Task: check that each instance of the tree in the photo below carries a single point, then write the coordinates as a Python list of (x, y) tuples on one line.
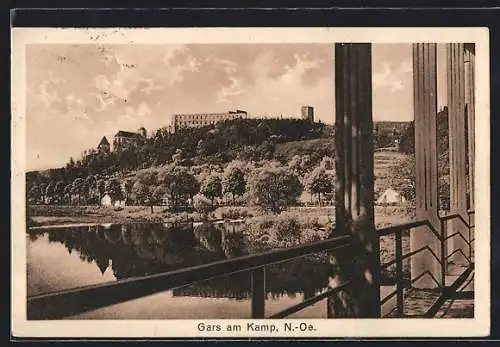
[(179, 183), (129, 183), (114, 189), (76, 187), (178, 156), (300, 164), (402, 178), (49, 191), (101, 188), (67, 193), (144, 187), (327, 163), (234, 181), (212, 187), (202, 205), (42, 187), (319, 182), (274, 188), (158, 193), (141, 191), (87, 186), (34, 193), (407, 142), (59, 191)]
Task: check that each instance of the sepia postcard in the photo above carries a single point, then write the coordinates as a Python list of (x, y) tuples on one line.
[(250, 182)]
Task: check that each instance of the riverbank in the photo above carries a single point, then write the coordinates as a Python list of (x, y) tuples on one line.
[(43, 215)]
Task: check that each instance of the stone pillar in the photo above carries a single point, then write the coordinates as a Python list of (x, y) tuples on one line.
[(425, 112), (354, 209), (470, 107), (457, 144)]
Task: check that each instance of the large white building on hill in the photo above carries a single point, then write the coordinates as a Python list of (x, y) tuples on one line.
[(194, 120)]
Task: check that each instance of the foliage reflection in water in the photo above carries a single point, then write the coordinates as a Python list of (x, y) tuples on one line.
[(135, 250)]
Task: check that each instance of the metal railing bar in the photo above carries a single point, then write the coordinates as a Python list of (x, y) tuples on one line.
[(447, 309), (433, 310), (459, 234), (427, 272), (449, 216), (399, 273), (452, 235), (419, 276), (389, 313), (258, 292), (434, 254), (466, 284), (388, 297), (405, 256), (401, 227), (458, 250), (455, 216), (310, 301), (434, 231), (78, 300)]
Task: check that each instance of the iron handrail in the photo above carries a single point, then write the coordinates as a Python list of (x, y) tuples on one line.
[(398, 259), (82, 299), (401, 227)]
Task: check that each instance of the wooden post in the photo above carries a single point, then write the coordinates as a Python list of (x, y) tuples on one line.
[(457, 139), (470, 107), (425, 111), (354, 209)]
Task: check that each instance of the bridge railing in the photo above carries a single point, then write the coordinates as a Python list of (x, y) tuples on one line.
[(69, 302), (60, 304), (401, 282)]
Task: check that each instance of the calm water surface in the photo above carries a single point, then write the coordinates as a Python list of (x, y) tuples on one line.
[(71, 257)]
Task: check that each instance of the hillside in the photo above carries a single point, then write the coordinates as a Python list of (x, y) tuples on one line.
[(317, 149)]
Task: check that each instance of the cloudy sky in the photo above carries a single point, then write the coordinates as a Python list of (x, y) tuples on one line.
[(78, 93)]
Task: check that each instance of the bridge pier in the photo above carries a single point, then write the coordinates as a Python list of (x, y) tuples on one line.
[(457, 150), (354, 209), (425, 112)]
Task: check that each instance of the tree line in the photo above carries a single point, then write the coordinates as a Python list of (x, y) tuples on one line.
[(268, 184)]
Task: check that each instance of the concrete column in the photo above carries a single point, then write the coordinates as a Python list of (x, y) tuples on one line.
[(425, 111), (354, 209), (470, 107), (457, 140)]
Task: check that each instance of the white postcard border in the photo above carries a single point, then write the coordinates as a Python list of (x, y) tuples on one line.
[(478, 326)]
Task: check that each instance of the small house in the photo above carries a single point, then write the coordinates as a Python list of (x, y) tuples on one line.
[(390, 197)]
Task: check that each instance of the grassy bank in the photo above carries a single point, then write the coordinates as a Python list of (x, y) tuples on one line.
[(39, 215)]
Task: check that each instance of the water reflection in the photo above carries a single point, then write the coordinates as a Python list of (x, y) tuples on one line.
[(142, 249)]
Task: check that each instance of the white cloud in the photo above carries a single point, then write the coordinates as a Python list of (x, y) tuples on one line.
[(391, 77), (229, 66), (175, 73), (46, 96), (143, 110), (151, 86), (234, 89), (284, 94)]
